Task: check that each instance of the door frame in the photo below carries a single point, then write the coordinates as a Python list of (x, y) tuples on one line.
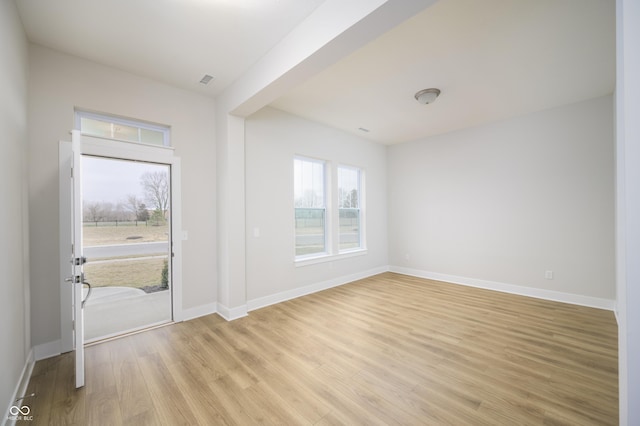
[(110, 148)]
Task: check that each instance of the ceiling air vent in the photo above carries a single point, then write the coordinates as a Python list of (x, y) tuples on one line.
[(206, 79)]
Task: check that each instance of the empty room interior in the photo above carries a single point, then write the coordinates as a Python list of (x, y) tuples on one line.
[(365, 212)]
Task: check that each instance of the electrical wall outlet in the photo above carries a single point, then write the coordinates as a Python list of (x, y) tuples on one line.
[(548, 275)]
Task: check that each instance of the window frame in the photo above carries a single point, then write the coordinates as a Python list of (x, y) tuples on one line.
[(130, 122), (360, 193), (332, 222), (326, 207)]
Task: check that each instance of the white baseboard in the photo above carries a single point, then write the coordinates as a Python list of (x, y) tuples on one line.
[(199, 311), (231, 314), (557, 296), (262, 302), (47, 350), (21, 388)]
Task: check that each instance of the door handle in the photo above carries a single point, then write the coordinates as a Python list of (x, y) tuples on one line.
[(76, 279), (88, 293)]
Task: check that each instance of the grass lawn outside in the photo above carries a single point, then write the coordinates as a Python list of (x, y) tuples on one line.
[(124, 271), (136, 272), (124, 234)]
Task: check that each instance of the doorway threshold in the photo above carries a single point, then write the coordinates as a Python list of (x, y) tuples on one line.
[(126, 333)]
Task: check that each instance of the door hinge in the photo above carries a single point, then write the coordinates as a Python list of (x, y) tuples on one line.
[(79, 260)]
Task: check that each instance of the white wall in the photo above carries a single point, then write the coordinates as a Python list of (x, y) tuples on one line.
[(273, 138), (330, 33), (14, 277), (505, 202), (57, 84)]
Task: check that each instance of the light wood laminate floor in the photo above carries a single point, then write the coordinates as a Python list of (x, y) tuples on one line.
[(389, 349)]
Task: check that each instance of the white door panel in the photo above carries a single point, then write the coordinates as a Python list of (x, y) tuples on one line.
[(77, 257)]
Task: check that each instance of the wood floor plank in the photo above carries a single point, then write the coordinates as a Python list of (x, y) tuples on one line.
[(43, 382), (191, 383), (168, 399), (103, 407), (133, 396), (389, 349)]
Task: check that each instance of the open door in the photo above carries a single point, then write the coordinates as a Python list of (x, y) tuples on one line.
[(75, 247), (77, 259)]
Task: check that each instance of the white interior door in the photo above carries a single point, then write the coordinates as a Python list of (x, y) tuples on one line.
[(72, 326), (77, 258)]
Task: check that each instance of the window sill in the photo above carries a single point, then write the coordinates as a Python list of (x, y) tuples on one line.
[(328, 257)]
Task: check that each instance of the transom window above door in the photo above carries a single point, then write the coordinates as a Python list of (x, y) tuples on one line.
[(122, 129)]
